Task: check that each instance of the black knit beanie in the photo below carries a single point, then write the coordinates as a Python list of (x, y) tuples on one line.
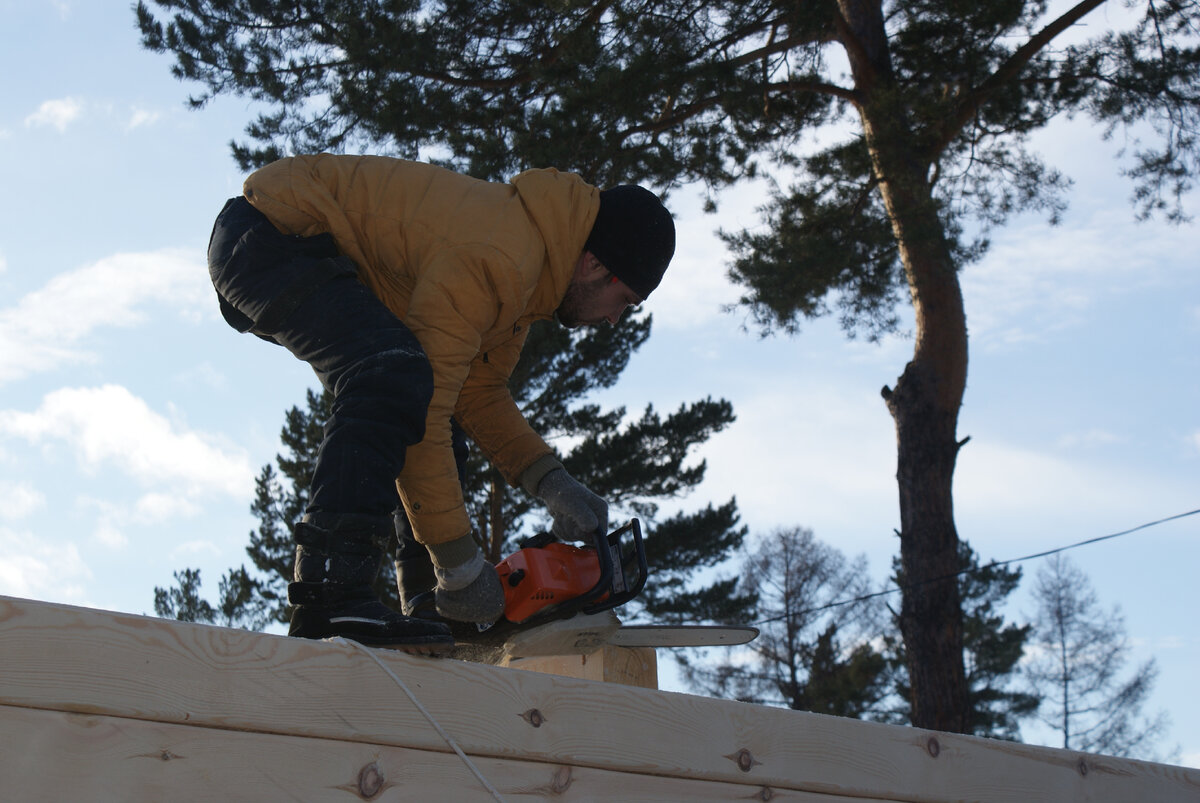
[(633, 236)]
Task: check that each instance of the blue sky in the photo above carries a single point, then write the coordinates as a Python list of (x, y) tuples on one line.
[(133, 421)]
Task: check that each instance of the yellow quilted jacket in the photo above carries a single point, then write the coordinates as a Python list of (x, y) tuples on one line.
[(468, 265)]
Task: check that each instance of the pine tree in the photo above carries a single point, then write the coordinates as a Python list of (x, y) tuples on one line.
[(992, 647), (927, 106), (184, 601)]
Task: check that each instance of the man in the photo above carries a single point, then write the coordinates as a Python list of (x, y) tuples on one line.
[(410, 290)]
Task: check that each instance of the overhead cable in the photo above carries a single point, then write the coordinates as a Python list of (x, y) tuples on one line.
[(908, 586)]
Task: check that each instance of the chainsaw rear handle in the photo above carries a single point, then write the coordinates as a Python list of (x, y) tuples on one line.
[(612, 561)]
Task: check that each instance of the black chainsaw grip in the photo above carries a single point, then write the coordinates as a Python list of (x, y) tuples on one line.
[(606, 546), (604, 584)]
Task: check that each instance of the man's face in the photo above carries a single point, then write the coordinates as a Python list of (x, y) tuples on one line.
[(595, 298)]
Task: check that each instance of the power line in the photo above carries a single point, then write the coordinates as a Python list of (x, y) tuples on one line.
[(908, 586)]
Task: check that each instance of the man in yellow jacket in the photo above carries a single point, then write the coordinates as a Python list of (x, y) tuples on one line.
[(410, 290)]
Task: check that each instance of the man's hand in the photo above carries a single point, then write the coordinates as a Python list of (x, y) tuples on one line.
[(578, 513)]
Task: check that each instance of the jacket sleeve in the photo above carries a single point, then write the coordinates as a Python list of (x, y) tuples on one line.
[(453, 302), (489, 415)]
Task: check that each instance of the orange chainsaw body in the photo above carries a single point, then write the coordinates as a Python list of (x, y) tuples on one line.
[(536, 578)]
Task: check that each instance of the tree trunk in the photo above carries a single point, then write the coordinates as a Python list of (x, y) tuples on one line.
[(931, 611), (928, 394), (497, 524), (925, 406)]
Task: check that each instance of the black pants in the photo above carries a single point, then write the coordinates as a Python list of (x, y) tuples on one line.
[(302, 294)]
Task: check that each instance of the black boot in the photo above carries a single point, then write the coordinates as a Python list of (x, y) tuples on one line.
[(414, 572), (337, 559), (482, 601)]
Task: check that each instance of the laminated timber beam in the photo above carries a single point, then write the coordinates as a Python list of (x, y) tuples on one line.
[(106, 706)]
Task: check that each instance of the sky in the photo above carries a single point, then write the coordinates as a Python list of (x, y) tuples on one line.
[(133, 420)]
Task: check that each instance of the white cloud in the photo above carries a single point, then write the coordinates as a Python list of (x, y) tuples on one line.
[(109, 427), (696, 288), (153, 508), (808, 454), (991, 475), (140, 117), (1038, 279), (19, 499), (1010, 499), (42, 331), (112, 519), (1172, 642), (204, 375), (110, 535), (1093, 437), (191, 549), (3, 263), (56, 114), (1194, 440), (34, 569)]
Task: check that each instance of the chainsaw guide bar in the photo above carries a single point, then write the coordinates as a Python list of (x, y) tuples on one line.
[(683, 635), (584, 634)]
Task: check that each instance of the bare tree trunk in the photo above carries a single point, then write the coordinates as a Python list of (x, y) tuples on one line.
[(499, 530)]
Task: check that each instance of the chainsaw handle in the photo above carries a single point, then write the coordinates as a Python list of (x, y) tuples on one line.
[(604, 558), (606, 548)]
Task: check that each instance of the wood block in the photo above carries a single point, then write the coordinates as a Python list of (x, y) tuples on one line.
[(630, 666)]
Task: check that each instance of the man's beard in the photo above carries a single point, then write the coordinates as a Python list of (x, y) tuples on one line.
[(571, 309)]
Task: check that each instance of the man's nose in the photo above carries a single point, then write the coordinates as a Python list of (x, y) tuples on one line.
[(616, 316)]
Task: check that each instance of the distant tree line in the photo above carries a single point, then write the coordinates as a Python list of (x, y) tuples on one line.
[(831, 644)]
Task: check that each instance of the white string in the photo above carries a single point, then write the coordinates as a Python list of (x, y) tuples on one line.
[(424, 711)]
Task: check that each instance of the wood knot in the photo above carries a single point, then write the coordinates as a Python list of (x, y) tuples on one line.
[(933, 746), (561, 780), (1083, 767), (370, 781), (766, 793), (744, 760), (534, 717)]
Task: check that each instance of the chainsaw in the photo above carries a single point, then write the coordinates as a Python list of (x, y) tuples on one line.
[(559, 599)]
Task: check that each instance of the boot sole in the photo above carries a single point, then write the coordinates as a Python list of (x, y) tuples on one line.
[(432, 645), (428, 650)]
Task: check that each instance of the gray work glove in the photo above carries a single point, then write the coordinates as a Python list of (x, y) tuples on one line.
[(578, 513)]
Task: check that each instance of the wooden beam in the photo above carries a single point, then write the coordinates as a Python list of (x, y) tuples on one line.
[(77, 660), (51, 755)]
